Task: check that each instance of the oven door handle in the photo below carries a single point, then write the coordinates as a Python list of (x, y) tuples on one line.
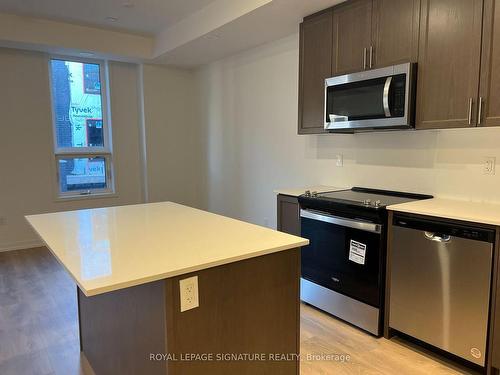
[(342, 221), (385, 100)]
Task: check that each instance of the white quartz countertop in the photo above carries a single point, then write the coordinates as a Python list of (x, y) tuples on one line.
[(477, 212), (295, 192), (107, 249)]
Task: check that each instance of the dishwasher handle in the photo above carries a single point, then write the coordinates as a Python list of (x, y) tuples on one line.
[(437, 237)]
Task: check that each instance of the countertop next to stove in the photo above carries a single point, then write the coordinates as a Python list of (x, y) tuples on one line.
[(476, 212), (295, 192)]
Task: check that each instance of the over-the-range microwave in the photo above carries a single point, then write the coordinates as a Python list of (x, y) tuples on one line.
[(378, 99)]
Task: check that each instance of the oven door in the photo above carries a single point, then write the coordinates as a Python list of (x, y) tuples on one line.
[(344, 255), (368, 100)]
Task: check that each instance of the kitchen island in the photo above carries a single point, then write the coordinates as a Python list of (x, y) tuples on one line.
[(128, 262)]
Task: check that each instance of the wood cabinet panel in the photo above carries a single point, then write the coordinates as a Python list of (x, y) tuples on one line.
[(117, 343), (489, 92), (251, 306), (288, 214), (448, 64), (494, 337), (315, 65), (395, 31), (351, 36)]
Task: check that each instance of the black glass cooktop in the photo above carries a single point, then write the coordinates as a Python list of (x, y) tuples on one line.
[(366, 197)]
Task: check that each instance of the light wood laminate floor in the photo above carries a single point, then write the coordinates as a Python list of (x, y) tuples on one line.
[(39, 330)]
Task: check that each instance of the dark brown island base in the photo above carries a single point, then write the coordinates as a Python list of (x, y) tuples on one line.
[(247, 323)]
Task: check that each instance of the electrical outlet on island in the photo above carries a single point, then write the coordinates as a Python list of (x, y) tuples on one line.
[(189, 293)]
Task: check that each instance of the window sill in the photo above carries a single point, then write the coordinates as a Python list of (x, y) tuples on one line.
[(68, 198)]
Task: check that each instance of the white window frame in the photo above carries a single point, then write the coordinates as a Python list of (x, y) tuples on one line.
[(105, 152)]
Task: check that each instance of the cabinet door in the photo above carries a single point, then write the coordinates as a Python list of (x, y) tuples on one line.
[(494, 340), (489, 92), (395, 31), (288, 215), (351, 36), (315, 64), (448, 63)]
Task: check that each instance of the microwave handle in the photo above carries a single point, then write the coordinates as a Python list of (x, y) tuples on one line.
[(385, 99)]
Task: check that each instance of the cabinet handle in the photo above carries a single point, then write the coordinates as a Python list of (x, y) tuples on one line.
[(480, 110), (371, 57), (469, 117), (364, 58)]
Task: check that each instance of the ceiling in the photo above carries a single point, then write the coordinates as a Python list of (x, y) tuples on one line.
[(137, 16), (185, 33), (276, 19)]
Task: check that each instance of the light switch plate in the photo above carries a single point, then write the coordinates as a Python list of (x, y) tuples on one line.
[(189, 293), (340, 160)]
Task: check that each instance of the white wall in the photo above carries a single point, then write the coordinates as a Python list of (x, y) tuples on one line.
[(172, 140), (249, 114), (223, 138), (172, 156), (26, 154)]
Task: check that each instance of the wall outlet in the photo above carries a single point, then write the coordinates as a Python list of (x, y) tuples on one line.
[(189, 293), (489, 165), (340, 160)]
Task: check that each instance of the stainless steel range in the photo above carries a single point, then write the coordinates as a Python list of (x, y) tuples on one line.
[(343, 267)]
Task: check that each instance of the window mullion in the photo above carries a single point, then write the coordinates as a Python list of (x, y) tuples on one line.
[(82, 151)]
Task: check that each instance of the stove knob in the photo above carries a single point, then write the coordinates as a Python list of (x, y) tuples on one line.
[(307, 193), (377, 203), (314, 194), (367, 202)]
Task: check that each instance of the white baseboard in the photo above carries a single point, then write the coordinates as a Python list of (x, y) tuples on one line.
[(20, 245)]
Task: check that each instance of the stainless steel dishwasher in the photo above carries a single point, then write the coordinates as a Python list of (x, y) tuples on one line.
[(440, 284)]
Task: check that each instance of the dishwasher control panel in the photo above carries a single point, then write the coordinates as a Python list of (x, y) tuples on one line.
[(455, 229)]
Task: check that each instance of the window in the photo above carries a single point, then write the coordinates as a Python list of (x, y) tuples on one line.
[(82, 138)]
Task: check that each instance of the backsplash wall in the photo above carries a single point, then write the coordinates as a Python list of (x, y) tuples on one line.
[(249, 138)]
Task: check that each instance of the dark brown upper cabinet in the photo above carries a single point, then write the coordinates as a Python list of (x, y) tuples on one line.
[(352, 31), (457, 47), (315, 65), (395, 32), (374, 33), (449, 63), (489, 89), (353, 36)]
